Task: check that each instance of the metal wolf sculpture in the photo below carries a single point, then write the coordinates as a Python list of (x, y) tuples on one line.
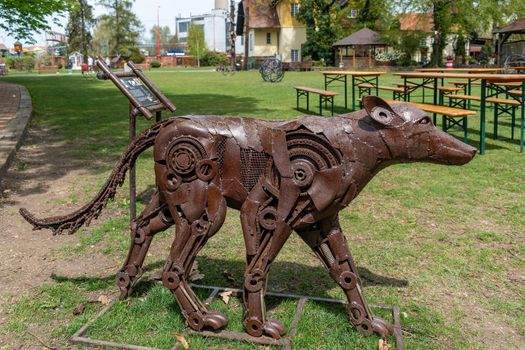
[(283, 176)]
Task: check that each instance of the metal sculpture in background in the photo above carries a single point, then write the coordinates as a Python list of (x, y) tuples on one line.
[(512, 61), (283, 177), (272, 70)]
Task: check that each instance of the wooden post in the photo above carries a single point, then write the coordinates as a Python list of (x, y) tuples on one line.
[(369, 58), (353, 56)]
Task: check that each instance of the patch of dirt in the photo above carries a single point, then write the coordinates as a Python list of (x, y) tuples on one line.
[(41, 178)]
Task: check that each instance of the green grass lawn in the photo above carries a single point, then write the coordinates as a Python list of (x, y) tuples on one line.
[(446, 244)]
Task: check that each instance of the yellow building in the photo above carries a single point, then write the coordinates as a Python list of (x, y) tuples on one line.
[(273, 29)]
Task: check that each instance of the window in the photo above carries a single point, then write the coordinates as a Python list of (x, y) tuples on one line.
[(183, 27), (294, 9), (251, 41), (268, 38), (295, 55), (353, 13)]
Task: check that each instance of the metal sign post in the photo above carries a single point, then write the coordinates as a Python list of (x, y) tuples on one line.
[(144, 99)]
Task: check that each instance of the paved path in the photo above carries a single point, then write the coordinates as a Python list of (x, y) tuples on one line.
[(15, 112)]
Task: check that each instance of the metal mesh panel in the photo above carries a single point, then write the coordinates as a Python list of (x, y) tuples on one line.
[(253, 165)]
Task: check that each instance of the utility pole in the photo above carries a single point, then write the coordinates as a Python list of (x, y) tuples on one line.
[(158, 33), (232, 35), (246, 37)]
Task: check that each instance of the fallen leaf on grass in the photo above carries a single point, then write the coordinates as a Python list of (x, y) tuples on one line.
[(228, 276), (226, 296), (383, 345), (195, 274), (181, 340), (104, 299), (79, 309)]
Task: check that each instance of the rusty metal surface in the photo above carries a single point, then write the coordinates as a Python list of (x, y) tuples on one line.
[(283, 176)]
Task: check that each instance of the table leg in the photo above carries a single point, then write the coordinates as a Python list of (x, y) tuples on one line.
[(482, 116), (434, 116), (353, 93), (469, 91), (307, 101), (522, 100), (377, 85), (405, 88), (320, 105)]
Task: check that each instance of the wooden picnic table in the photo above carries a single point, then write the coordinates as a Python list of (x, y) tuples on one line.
[(358, 77), (486, 79), (460, 70)]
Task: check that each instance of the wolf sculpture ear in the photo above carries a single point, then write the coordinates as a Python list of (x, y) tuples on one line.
[(381, 112)]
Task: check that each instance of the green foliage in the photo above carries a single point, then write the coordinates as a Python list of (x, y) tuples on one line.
[(196, 43), (323, 28), (155, 64), (165, 35), (212, 59), (122, 27), (20, 19), (26, 62), (78, 29)]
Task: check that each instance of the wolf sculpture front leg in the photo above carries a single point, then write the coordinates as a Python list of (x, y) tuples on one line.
[(330, 245)]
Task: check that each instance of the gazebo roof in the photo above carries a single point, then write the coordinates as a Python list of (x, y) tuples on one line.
[(517, 27), (363, 36)]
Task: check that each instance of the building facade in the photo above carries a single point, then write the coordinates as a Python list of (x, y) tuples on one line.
[(273, 29)]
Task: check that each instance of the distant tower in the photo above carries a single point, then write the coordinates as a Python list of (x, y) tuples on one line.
[(221, 5)]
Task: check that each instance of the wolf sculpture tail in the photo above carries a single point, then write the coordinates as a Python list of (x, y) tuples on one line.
[(84, 215)]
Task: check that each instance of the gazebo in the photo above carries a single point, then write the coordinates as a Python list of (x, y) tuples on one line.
[(505, 48), (358, 47)]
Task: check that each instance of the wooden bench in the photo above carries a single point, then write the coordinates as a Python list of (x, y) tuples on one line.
[(324, 96), (515, 92), (449, 115), (504, 106), (47, 69), (398, 93)]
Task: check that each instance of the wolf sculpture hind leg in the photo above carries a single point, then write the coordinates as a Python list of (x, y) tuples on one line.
[(330, 245), (154, 218)]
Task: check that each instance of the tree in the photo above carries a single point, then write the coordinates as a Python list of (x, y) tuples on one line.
[(124, 24), (21, 19), (103, 38), (165, 34), (323, 28), (196, 43), (78, 29)]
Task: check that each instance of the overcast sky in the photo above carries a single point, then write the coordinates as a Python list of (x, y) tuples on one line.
[(146, 11)]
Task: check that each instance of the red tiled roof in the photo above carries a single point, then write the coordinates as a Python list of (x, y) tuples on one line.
[(417, 21), (515, 27), (261, 14)]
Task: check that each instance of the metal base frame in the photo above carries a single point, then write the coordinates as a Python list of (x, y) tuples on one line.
[(285, 342)]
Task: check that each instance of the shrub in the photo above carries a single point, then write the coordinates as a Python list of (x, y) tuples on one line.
[(211, 58), (154, 64), (390, 56)]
